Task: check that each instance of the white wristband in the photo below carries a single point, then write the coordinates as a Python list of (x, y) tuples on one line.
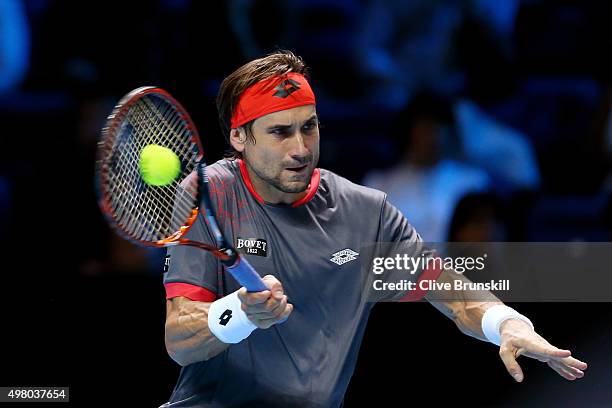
[(494, 317), (227, 321)]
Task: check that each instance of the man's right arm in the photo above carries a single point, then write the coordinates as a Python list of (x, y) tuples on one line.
[(188, 336)]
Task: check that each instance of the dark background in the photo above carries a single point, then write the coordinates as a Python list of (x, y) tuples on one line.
[(81, 308)]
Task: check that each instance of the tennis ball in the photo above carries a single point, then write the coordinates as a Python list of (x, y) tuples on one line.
[(158, 165)]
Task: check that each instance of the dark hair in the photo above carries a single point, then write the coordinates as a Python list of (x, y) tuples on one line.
[(278, 63), (424, 105), (474, 207)]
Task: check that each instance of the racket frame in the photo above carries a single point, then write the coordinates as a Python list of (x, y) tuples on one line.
[(223, 251)]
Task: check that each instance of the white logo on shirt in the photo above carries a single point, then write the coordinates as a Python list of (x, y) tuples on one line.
[(252, 246), (344, 256)]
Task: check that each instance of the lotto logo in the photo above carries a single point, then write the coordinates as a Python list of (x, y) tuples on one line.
[(286, 88), (225, 317)]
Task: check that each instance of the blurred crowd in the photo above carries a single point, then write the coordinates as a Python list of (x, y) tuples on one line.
[(484, 120)]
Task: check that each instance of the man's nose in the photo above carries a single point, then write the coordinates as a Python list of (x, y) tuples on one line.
[(298, 146)]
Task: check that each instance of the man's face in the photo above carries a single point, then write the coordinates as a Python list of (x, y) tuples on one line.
[(286, 149)]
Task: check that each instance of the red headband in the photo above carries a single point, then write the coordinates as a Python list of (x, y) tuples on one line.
[(272, 95)]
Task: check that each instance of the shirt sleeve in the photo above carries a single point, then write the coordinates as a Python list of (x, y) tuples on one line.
[(402, 238), (192, 272)]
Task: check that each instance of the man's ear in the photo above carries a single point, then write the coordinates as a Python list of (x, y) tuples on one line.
[(238, 139)]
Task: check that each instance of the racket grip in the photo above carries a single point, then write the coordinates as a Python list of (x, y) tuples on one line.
[(246, 276)]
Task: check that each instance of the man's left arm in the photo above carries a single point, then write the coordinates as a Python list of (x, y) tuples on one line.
[(516, 336)]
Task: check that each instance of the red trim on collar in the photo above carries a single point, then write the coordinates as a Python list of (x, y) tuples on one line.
[(312, 189), (310, 193), (247, 180)]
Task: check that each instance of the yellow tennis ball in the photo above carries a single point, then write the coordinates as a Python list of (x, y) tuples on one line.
[(159, 166)]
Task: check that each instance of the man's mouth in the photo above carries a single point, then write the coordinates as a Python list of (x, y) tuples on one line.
[(298, 168)]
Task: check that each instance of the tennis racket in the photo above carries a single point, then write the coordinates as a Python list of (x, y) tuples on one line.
[(153, 215)]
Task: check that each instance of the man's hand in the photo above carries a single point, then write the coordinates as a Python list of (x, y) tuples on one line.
[(519, 339), (266, 308)]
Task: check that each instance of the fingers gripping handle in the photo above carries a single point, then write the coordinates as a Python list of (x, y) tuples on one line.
[(246, 276)]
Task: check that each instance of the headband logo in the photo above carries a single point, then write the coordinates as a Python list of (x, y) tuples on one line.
[(286, 88)]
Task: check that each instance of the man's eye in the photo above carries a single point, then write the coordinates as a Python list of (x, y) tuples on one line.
[(309, 126), (279, 132)]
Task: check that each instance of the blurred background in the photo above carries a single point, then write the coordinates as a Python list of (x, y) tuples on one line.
[(484, 120)]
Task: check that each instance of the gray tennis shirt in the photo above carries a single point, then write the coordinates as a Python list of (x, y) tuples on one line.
[(313, 249)]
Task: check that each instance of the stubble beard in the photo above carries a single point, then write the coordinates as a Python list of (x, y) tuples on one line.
[(287, 187)]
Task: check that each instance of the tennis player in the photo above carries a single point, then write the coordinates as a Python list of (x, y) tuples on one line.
[(301, 227)]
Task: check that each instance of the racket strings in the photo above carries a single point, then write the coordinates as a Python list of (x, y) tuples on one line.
[(153, 118), (150, 213), (160, 126), (156, 207)]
